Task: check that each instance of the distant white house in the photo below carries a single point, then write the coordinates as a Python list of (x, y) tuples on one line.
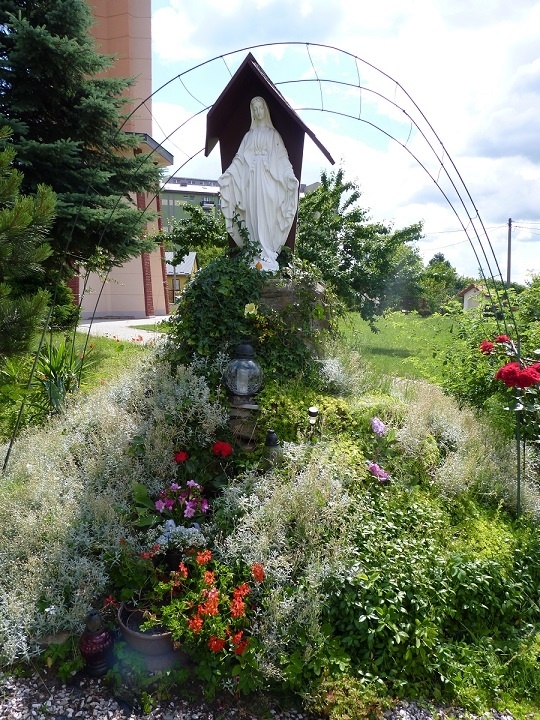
[(472, 296), (178, 275)]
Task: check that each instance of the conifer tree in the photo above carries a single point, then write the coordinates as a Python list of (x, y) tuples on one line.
[(24, 222), (65, 116)]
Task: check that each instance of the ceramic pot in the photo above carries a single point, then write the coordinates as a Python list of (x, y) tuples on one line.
[(154, 645)]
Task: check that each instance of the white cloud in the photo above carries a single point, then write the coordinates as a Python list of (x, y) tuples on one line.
[(472, 67)]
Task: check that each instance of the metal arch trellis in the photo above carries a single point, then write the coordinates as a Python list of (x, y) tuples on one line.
[(452, 173), (423, 126)]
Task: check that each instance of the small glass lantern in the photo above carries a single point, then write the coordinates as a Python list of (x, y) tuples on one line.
[(272, 451), (243, 376)]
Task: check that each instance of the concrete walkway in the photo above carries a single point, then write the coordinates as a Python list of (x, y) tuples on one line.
[(124, 329)]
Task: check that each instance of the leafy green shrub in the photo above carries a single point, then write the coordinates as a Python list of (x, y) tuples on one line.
[(221, 308), (210, 316)]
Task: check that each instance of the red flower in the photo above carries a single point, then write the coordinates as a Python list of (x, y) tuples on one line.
[(508, 373), (257, 571), (502, 339), (513, 375), (211, 605), (527, 377), (222, 449), (241, 591), (209, 578), (204, 557), (216, 644), (195, 624), (109, 601), (238, 607), (180, 456), (486, 347)]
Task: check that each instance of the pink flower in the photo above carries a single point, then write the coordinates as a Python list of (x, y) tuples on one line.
[(175, 486), (191, 507), (205, 505), (378, 427), (169, 503), (160, 505), (377, 471), (193, 484)]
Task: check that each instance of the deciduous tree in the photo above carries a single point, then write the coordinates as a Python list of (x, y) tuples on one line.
[(356, 256)]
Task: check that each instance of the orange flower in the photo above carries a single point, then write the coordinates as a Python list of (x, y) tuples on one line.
[(182, 570), (216, 644), (257, 571), (241, 648), (204, 557), (238, 607), (236, 638), (241, 591), (195, 624), (210, 605), (209, 578)]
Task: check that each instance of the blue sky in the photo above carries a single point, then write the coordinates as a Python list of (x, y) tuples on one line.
[(471, 68)]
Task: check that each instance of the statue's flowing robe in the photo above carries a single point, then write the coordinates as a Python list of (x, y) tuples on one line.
[(260, 188)]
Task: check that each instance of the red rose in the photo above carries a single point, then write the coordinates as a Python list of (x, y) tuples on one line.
[(180, 456), (222, 449), (508, 374), (527, 377), (513, 375), (486, 347), (502, 339)]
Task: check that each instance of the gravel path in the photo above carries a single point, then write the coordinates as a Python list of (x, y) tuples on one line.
[(45, 698)]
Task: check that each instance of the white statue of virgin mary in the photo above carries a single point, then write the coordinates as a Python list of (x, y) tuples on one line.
[(260, 188)]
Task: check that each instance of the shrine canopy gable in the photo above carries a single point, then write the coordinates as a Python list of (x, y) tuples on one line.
[(229, 118)]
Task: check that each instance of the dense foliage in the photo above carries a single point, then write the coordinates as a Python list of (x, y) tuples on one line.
[(24, 224), (222, 307), (65, 116), (471, 366)]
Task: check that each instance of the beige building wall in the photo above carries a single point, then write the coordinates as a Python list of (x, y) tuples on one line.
[(124, 29), (138, 288)]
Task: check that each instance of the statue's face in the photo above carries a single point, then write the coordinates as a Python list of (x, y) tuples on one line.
[(258, 109)]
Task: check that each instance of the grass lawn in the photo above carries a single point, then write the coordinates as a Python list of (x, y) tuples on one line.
[(159, 326), (406, 346), (109, 358)]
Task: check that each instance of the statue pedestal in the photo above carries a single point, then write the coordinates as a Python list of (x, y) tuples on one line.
[(289, 297)]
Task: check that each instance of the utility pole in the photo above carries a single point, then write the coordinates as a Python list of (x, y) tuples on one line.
[(508, 263)]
